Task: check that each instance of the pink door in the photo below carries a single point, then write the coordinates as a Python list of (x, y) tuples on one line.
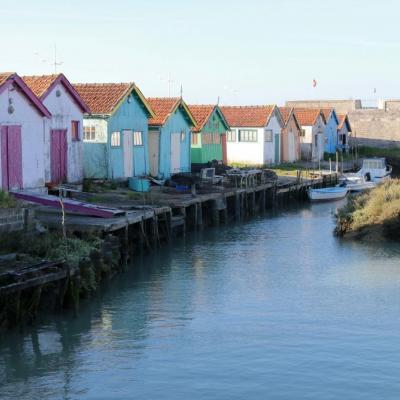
[(11, 157), (58, 155)]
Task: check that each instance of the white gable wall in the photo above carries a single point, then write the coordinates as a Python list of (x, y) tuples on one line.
[(249, 153), (33, 126), (64, 110), (269, 147)]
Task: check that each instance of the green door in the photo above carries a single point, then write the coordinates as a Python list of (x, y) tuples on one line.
[(277, 148)]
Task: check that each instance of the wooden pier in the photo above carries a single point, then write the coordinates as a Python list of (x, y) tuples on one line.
[(143, 227)]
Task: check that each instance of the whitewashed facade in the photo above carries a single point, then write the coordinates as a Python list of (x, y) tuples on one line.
[(255, 145), (64, 110), (313, 140), (20, 109)]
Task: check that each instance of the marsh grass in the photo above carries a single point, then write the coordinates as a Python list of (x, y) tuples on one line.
[(7, 201), (378, 207)]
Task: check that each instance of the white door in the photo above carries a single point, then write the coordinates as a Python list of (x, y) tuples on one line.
[(175, 153), (154, 152), (291, 150), (128, 153)]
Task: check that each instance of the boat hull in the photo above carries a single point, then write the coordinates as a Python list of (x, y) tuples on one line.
[(328, 194)]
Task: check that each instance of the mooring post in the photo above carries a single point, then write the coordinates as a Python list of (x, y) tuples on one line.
[(237, 206)]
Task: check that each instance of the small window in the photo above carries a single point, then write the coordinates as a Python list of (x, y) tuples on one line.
[(89, 133), (231, 135), (75, 131), (115, 139), (138, 138), (247, 135), (267, 135), (183, 136), (195, 138), (303, 132), (216, 138)]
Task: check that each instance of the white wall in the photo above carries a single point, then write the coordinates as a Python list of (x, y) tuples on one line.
[(64, 110), (308, 148), (33, 126), (269, 147), (247, 152), (318, 129)]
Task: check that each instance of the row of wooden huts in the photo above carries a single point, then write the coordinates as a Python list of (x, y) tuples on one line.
[(53, 131)]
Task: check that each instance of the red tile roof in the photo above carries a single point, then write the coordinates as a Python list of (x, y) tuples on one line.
[(164, 107), (307, 116), (286, 112), (4, 76), (201, 114), (327, 112), (103, 98), (248, 116), (40, 84), (343, 118), (16, 80)]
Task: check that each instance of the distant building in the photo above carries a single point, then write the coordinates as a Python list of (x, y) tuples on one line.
[(255, 134), (343, 131), (169, 136), (115, 134), (330, 131), (63, 134), (290, 136), (209, 134), (23, 119), (312, 122)]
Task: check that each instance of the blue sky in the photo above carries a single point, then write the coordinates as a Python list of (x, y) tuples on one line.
[(245, 52)]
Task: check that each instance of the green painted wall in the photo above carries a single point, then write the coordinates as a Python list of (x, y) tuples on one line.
[(203, 153)]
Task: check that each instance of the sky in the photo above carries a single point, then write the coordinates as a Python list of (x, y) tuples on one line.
[(240, 52)]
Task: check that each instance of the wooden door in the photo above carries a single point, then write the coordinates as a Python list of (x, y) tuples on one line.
[(277, 148), (58, 155), (291, 152), (175, 153), (128, 153), (154, 152), (11, 157), (224, 149)]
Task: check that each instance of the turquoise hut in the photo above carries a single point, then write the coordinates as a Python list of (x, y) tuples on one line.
[(169, 137), (115, 134)]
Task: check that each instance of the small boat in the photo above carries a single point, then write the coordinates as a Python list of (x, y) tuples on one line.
[(373, 171), (328, 194), (358, 183)]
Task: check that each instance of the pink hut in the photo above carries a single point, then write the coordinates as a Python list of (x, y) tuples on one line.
[(63, 139), (22, 120)]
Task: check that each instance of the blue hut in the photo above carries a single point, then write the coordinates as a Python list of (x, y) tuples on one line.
[(169, 137), (115, 134), (331, 130)]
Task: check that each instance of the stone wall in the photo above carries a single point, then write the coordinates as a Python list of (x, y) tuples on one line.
[(376, 128), (16, 219), (341, 106)]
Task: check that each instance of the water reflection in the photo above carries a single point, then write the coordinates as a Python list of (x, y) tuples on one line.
[(275, 303)]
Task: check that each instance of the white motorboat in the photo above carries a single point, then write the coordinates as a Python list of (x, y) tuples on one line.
[(328, 194), (373, 171)]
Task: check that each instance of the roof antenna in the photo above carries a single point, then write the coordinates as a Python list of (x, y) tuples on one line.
[(181, 91), (56, 63), (218, 101)]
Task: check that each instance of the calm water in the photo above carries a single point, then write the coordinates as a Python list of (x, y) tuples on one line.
[(275, 308)]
